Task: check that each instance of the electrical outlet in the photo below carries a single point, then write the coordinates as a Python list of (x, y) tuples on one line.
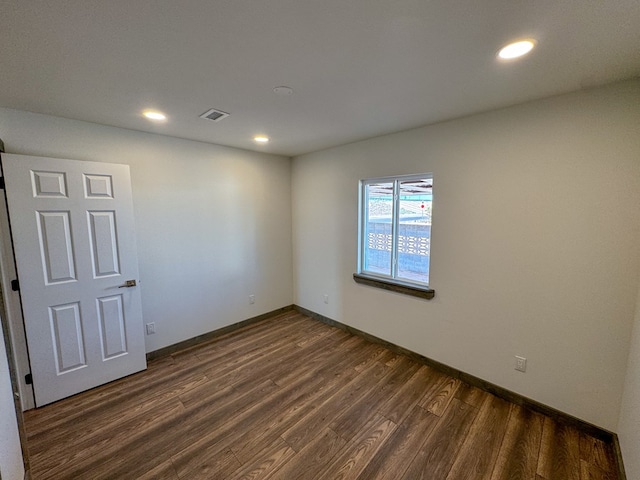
[(252, 299), (326, 298), (151, 328), (521, 364)]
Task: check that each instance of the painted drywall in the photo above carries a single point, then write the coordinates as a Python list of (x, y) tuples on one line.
[(534, 244), (213, 223), (629, 424), (11, 466)]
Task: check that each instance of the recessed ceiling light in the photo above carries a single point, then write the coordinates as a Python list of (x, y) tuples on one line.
[(154, 115), (261, 138), (283, 90), (516, 49)]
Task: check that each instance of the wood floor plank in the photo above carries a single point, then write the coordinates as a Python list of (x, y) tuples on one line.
[(252, 357), (99, 453), (471, 395), (335, 375), (589, 471), (172, 435), (290, 407), (518, 455), (265, 462), (261, 337), (439, 403), (86, 403), (395, 455), (273, 363), (219, 351), (559, 452), (164, 471), (220, 465), (438, 452), (435, 385), (374, 355), (321, 358), (596, 453), (485, 435), (125, 409), (257, 402), (226, 434), (288, 367), (238, 338), (238, 375), (311, 461), (312, 424), (358, 452), (407, 396), (235, 367), (351, 420)]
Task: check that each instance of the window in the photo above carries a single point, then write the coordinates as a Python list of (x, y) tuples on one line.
[(395, 233)]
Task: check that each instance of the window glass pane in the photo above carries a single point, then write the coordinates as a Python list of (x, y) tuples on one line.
[(377, 226), (414, 230)]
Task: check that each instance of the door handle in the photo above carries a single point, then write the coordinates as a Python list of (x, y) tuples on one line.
[(128, 284)]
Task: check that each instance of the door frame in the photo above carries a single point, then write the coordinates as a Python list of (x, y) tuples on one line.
[(17, 400), (13, 304), (22, 397), (13, 307)]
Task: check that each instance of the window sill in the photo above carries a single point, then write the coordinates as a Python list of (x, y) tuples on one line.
[(392, 286)]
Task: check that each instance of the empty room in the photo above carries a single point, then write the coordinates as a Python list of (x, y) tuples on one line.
[(320, 240)]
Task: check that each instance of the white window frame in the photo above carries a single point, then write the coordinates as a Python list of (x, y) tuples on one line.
[(363, 238)]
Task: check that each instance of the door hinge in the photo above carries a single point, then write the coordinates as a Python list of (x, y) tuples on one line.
[(28, 379), (15, 285), (1, 183)]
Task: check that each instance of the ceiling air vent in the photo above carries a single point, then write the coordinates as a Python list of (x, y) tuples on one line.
[(215, 115)]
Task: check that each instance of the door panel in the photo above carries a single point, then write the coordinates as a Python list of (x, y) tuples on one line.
[(74, 240), (112, 326), (104, 243), (67, 337), (56, 247), (48, 184)]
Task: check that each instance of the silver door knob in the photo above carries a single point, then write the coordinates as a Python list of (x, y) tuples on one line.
[(128, 284)]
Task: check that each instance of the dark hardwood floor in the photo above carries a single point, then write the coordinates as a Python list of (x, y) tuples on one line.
[(292, 398)]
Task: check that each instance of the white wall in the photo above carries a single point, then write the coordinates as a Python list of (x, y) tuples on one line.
[(534, 245), (11, 467), (629, 424), (213, 223)]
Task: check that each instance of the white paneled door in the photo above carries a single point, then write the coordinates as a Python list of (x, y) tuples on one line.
[(75, 247)]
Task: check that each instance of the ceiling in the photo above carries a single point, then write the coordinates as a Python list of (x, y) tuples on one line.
[(359, 68)]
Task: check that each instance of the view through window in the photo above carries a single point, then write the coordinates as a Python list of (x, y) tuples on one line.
[(395, 230)]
